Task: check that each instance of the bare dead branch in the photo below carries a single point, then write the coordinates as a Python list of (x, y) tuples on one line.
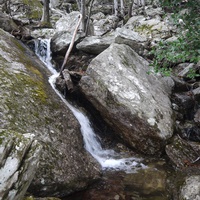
[(71, 43)]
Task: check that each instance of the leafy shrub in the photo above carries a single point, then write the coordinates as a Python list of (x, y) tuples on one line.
[(187, 45)]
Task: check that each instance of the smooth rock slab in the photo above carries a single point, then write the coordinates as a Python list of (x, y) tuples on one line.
[(64, 31), (19, 159), (136, 105), (132, 39), (96, 44)]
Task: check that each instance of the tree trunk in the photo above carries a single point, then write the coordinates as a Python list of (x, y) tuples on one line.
[(78, 4), (122, 7), (83, 15), (143, 3), (116, 7), (88, 20), (138, 4), (130, 8), (45, 21)]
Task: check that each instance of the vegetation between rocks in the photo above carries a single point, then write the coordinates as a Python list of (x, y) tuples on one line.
[(186, 48)]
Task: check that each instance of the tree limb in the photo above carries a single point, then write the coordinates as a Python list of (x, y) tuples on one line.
[(71, 43)]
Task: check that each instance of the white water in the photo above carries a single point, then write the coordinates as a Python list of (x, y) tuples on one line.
[(108, 159)]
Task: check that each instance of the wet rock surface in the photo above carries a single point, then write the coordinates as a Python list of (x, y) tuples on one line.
[(182, 150), (28, 104), (121, 186)]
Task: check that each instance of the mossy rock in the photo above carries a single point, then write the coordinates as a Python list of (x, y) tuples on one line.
[(29, 104), (26, 9), (34, 9), (22, 79), (144, 29)]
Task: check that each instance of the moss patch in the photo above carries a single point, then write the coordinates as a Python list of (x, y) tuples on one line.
[(34, 9), (144, 29), (24, 92)]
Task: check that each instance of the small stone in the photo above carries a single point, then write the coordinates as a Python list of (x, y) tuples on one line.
[(197, 116), (116, 197), (191, 188)]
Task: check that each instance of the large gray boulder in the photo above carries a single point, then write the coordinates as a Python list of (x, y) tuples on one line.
[(6, 23), (151, 28), (136, 105), (131, 38), (96, 44), (24, 11), (104, 23), (140, 33), (29, 105), (65, 27)]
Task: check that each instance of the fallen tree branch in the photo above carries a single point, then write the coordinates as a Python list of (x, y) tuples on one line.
[(68, 80), (71, 44)]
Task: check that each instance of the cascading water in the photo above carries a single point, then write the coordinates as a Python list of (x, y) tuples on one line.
[(108, 159)]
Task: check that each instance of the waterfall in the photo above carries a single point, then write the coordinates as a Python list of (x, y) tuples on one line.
[(108, 158)]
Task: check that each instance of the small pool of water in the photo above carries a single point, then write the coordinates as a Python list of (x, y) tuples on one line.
[(145, 184)]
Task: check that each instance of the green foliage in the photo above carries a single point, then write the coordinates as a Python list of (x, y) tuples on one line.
[(187, 46), (192, 74), (75, 7)]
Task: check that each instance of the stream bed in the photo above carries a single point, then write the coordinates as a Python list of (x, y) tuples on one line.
[(124, 176), (145, 184)]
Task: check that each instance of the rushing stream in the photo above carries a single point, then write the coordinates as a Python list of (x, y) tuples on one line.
[(108, 159)]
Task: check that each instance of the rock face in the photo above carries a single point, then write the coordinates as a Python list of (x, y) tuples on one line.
[(6, 23), (95, 44), (141, 32), (151, 28), (29, 105), (191, 188), (24, 11), (135, 104), (104, 23), (152, 183), (182, 153), (63, 34), (132, 39), (19, 157)]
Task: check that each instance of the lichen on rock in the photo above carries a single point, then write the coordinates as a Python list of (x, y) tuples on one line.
[(136, 105), (19, 159), (29, 104)]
